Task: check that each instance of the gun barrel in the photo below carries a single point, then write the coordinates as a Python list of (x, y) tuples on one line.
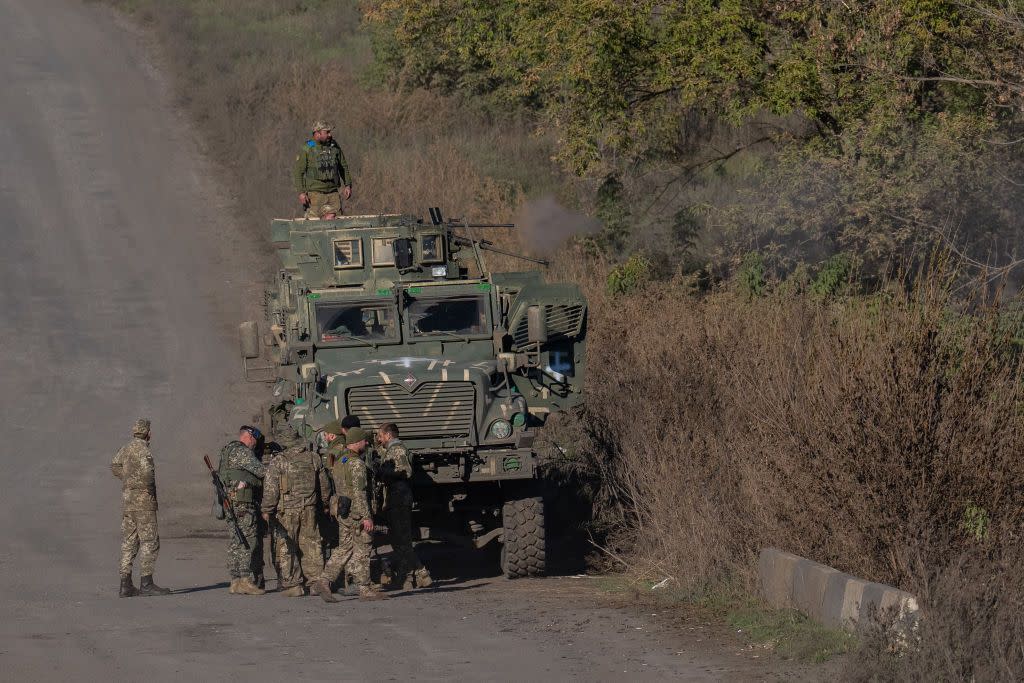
[(485, 225)]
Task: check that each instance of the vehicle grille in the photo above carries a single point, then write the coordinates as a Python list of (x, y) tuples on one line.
[(563, 321), (434, 409)]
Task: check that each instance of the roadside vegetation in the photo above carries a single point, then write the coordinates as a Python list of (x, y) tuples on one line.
[(805, 327)]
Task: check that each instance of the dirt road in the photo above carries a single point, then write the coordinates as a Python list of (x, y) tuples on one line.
[(121, 276)]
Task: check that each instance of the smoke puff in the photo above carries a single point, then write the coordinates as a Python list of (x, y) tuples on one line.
[(544, 224)]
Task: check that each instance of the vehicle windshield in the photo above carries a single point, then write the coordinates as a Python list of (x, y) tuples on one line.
[(459, 315), (356, 321)]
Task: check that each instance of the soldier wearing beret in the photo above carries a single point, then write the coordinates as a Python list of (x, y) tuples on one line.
[(133, 465), (321, 175)]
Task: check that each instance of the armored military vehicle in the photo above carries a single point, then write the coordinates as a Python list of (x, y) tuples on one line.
[(396, 319)]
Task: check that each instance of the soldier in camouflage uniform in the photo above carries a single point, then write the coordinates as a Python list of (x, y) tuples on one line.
[(334, 438), (292, 491), (396, 472), (133, 465), (351, 505), (242, 473), (321, 175)]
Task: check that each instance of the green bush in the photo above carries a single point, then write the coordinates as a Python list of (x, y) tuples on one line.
[(634, 273)]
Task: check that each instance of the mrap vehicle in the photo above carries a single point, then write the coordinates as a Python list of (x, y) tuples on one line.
[(394, 319)]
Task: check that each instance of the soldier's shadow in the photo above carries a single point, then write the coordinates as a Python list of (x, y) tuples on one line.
[(200, 589), (438, 587)]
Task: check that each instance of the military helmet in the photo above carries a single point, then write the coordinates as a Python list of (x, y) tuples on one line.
[(141, 427), (321, 125), (355, 435), (333, 427)]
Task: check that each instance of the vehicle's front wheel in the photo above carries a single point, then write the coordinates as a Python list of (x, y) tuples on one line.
[(524, 545)]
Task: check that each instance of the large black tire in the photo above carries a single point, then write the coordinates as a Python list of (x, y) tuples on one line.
[(524, 545)]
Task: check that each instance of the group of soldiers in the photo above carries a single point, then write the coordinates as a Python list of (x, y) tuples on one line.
[(318, 509)]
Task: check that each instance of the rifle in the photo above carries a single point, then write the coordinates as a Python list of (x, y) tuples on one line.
[(225, 502)]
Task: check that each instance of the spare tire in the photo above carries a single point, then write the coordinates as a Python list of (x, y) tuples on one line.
[(524, 545)]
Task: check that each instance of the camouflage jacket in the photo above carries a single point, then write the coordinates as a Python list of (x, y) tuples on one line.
[(396, 471), (320, 168), (239, 463), (295, 479), (351, 481), (133, 465), (334, 451)]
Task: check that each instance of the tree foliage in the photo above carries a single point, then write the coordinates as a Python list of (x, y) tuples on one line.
[(904, 109)]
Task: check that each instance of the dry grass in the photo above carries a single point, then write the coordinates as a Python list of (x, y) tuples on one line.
[(880, 435)]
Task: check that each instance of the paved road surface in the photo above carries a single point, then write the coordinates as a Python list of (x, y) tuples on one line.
[(120, 283)]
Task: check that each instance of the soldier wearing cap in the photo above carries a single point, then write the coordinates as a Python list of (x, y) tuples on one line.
[(242, 474), (396, 471), (334, 437), (133, 465), (321, 175), (351, 506)]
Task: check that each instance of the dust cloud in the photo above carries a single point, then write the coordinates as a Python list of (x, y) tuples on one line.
[(544, 224)]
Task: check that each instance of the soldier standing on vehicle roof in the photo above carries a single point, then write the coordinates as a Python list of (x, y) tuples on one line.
[(294, 486), (396, 471), (133, 465), (242, 473), (351, 506), (321, 175)]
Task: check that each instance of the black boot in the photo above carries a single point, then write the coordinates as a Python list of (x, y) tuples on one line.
[(147, 587), (127, 587)]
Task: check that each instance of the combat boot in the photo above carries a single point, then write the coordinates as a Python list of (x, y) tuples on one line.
[(147, 587), (233, 588), (324, 589), (294, 592), (127, 587), (245, 586), (370, 593), (409, 583), (423, 578)]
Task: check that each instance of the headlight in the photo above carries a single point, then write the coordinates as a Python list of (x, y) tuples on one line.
[(439, 271), (501, 429)]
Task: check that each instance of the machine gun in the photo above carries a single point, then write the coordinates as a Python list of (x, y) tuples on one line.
[(483, 245), (225, 502)]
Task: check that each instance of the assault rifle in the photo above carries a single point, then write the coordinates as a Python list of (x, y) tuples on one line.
[(225, 502)]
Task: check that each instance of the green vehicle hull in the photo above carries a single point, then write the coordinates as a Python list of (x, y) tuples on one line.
[(396, 320)]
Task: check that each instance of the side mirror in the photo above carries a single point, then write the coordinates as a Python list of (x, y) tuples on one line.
[(403, 253), (536, 325), (249, 339)]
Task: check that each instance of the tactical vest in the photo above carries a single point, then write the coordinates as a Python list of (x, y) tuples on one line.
[(230, 476), (298, 478), (324, 164)]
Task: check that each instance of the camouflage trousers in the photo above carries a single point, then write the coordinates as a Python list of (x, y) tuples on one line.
[(404, 558), (351, 556), (298, 555), (139, 537), (322, 204), (241, 560)]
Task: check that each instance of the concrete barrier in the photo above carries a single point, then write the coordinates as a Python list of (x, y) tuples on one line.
[(827, 595)]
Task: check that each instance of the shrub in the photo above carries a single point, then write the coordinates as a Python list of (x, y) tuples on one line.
[(634, 273)]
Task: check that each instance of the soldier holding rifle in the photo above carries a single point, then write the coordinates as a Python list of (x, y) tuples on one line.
[(242, 473)]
